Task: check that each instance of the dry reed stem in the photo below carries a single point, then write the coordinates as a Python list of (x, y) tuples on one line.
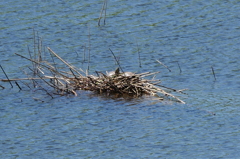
[(63, 61)]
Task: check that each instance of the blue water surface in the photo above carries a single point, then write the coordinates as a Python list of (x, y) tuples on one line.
[(190, 37)]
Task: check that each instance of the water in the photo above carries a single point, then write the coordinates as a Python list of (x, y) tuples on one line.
[(197, 35)]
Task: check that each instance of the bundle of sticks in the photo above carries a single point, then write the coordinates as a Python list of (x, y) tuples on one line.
[(114, 82)]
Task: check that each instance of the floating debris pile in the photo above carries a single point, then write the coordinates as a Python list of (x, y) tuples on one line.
[(114, 82)]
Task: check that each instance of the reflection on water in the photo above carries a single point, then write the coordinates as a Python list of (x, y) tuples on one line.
[(194, 35)]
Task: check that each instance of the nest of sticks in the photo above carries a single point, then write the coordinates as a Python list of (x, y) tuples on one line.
[(115, 82)]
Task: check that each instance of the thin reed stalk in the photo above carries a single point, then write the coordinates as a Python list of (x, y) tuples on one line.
[(104, 9)]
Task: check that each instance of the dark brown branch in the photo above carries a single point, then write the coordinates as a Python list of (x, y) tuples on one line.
[(116, 60), (6, 76), (213, 73)]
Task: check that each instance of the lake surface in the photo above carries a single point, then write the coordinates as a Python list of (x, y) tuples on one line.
[(190, 37)]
